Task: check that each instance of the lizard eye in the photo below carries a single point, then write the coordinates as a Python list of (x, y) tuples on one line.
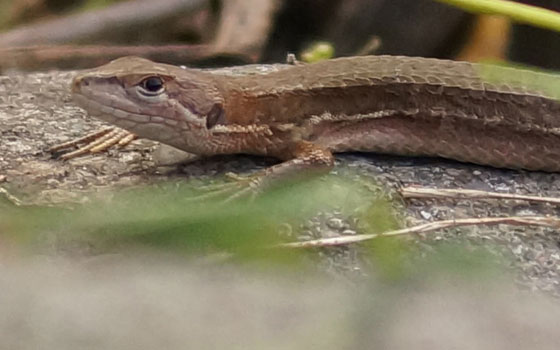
[(151, 86)]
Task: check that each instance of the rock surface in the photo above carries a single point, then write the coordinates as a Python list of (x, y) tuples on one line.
[(36, 112)]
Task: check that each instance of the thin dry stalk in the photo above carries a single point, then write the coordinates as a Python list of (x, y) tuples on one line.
[(425, 192), (429, 227)]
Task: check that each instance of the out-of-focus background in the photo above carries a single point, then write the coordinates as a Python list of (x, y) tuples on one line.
[(76, 34), (110, 251)]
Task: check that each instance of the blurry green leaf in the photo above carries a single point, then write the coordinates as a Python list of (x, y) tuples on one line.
[(171, 217), (318, 52), (460, 259)]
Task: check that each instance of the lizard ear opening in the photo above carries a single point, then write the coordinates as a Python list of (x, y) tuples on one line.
[(215, 116)]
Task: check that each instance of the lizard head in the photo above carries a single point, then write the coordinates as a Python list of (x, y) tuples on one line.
[(161, 102)]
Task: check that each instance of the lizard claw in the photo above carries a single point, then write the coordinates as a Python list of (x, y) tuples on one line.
[(239, 187), (95, 142)]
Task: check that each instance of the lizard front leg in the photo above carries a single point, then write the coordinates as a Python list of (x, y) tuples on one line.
[(302, 159)]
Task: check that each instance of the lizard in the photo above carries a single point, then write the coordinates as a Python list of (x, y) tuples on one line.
[(301, 115)]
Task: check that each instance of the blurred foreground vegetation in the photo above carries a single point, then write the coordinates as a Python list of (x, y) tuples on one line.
[(179, 218)]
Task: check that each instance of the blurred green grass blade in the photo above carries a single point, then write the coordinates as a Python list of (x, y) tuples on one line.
[(522, 13), (388, 255), (167, 217)]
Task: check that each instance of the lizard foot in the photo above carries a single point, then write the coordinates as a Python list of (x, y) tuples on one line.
[(239, 187), (95, 142), (307, 159)]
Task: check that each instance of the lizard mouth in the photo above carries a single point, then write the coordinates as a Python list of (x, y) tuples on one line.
[(150, 127), (107, 113)]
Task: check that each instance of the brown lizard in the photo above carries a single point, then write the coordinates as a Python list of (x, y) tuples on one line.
[(500, 117)]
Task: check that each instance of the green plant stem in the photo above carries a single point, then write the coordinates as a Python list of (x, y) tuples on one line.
[(522, 13)]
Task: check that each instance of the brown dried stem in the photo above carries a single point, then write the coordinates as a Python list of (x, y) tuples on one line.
[(428, 227), (425, 192)]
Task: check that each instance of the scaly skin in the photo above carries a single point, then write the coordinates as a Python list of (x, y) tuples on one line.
[(301, 115)]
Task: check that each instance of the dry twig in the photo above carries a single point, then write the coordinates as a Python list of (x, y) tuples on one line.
[(424, 192), (87, 56), (429, 227), (100, 23), (13, 199), (245, 26)]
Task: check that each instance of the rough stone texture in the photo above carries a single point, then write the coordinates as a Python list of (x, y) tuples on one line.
[(36, 113)]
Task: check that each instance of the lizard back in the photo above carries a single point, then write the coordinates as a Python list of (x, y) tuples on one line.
[(359, 85)]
